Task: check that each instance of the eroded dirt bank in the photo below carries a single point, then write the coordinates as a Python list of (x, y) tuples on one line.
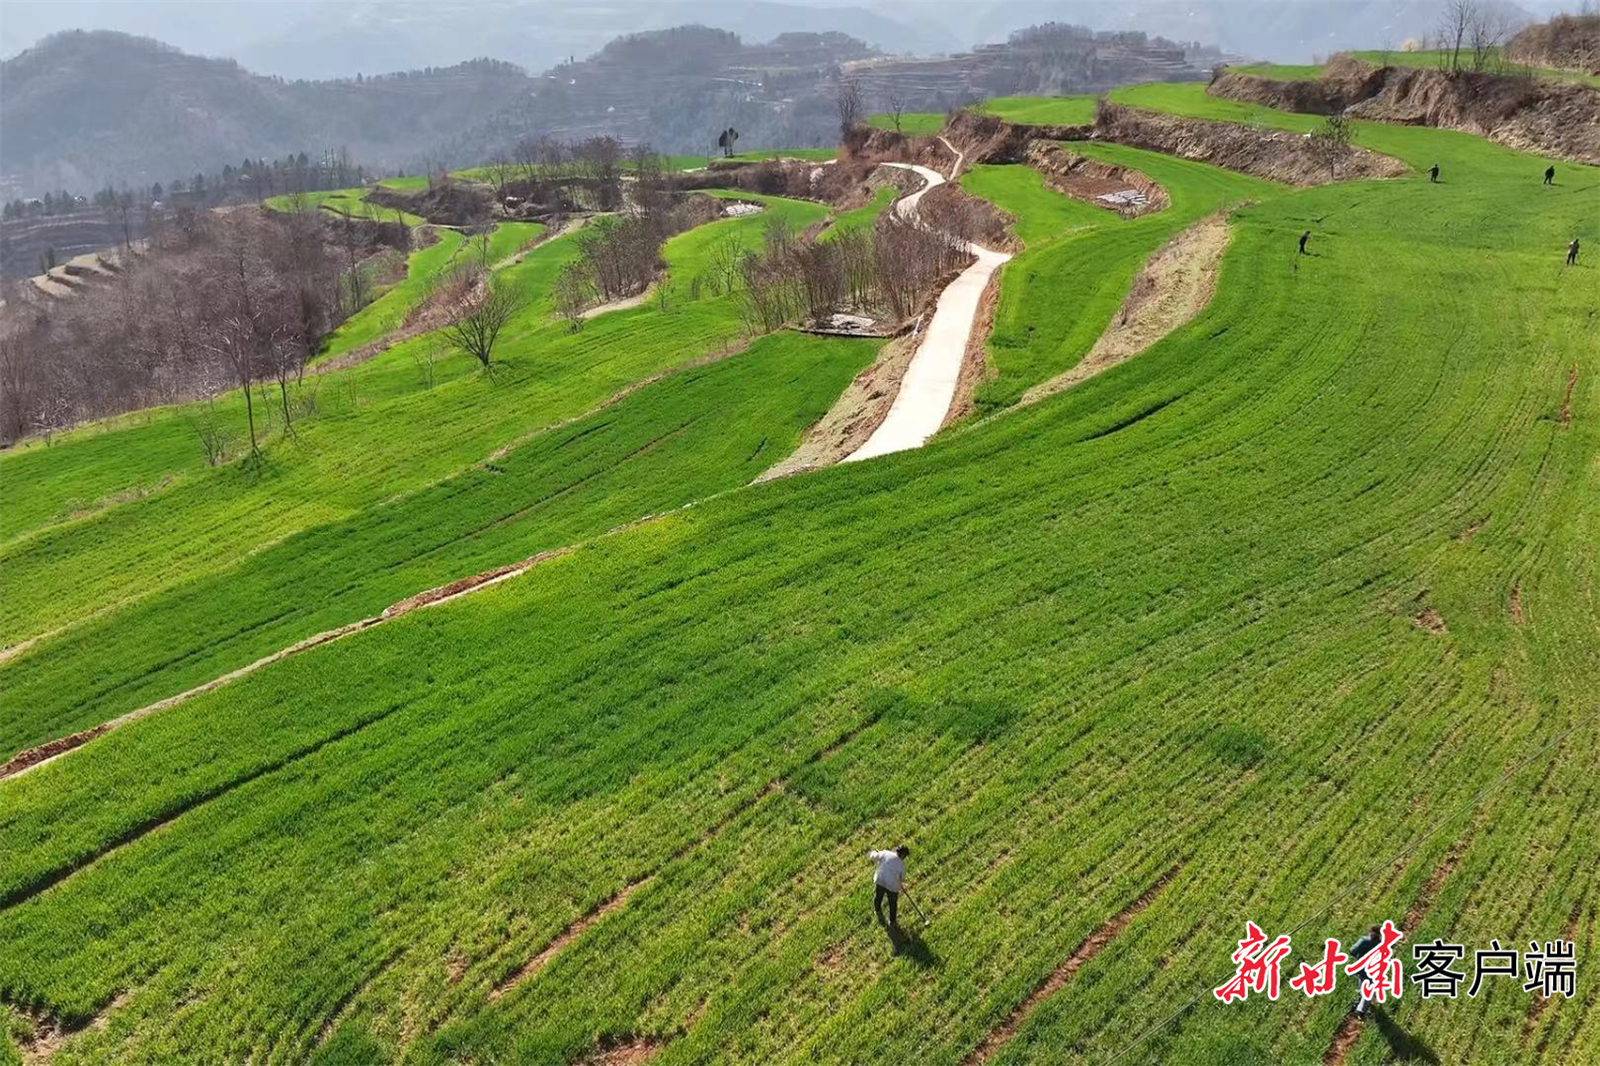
[(1277, 155), (1532, 114), (1176, 284)]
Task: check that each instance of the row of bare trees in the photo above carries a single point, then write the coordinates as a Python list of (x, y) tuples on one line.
[(884, 271), (620, 254), (220, 300), (1470, 36), (586, 173)]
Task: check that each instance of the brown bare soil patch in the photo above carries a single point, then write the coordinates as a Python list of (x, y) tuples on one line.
[(1092, 946), (565, 937), (49, 1034), (640, 1049), (1277, 155), (1430, 888), (1471, 531), (1565, 417), (1175, 285), (1516, 602), (1533, 114), (1431, 620), (1344, 1038), (858, 411), (461, 586), (987, 139)]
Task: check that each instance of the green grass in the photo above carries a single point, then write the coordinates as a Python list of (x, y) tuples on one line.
[(1041, 213), (1059, 295), (758, 154), (1282, 71), (1161, 622), (406, 183), (912, 123), (864, 216), (1043, 110), (1436, 60), (351, 202), (351, 456), (1426, 60)]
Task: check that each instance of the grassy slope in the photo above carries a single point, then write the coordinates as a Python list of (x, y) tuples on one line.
[(388, 312), (1059, 295), (912, 123), (153, 449), (1041, 214), (370, 445), (347, 202), (864, 216), (1431, 60), (1161, 619), (1043, 110)]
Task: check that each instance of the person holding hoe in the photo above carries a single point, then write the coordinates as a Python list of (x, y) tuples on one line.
[(887, 882)]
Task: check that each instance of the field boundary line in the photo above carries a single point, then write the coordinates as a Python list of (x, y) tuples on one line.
[(1091, 946), (571, 932), (1361, 879)]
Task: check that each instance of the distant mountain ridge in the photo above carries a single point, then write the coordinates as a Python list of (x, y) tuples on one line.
[(85, 108)]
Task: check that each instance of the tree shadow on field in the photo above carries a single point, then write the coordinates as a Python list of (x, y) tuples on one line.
[(1405, 1047), (909, 946)]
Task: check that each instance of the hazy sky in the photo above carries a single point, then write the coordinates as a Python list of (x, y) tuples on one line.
[(321, 38)]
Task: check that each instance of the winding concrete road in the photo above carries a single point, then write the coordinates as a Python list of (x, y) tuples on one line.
[(929, 386)]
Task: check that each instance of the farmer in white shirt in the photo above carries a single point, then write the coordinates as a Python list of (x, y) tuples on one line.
[(886, 882)]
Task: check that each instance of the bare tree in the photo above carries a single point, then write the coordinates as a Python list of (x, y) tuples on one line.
[(572, 292), (1455, 23), (847, 101), (897, 107), (1486, 31), (474, 326)]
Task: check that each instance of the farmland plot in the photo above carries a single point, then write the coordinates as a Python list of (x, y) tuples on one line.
[(1290, 618)]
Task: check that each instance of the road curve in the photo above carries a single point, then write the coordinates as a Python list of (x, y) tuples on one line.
[(929, 386)]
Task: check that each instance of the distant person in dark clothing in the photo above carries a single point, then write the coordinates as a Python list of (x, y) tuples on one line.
[(1550, 174), (1572, 253), (1304, 237), (1433, 172), (1371, 939)]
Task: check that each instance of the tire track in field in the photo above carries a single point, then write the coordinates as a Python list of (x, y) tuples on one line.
[(1092, 945), (160, 819), (621, 897), (1351, 1025)]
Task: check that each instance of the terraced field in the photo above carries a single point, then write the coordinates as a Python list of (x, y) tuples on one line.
[(1426, 60), (351, 202), (1291, 618)]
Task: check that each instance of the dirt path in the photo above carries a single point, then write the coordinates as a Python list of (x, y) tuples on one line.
[(621, 305), (1175, 285), (33, 758), (929, 385)]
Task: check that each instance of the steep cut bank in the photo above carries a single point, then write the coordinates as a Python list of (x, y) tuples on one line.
[(1553, 118), (1277, 155)]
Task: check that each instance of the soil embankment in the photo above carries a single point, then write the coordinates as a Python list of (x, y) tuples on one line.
[(1554, 118), (1106, 185), (1176, 284), (1277, 155)]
